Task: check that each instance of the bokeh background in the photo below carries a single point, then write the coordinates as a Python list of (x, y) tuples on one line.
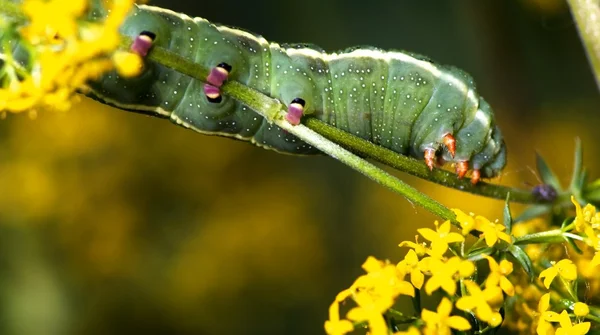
[(113, 222)]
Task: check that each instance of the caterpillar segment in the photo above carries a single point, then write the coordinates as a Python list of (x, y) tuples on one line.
[(398, 100)]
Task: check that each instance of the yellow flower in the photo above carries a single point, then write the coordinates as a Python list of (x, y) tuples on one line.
[(369, 309), (440, 238), (492, 231), (467, 222), (567, 328), (374, 293), (544, 316), (478, 302), (382, 279), (584, 216), (420, 248), (445, 274), (581, 309), (410, 264), (564, 268), (52, 19), (335, 326), (441, 322), (498, 273), (65, 52)]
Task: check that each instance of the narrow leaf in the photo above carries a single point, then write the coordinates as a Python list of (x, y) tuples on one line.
[(523, 259), (548, 177), (507, 216), (533, 212), (577, 166), (574, 245)]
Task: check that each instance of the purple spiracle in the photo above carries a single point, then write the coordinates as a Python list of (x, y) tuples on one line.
[(217, 76), (544, 192), (211, 91), (294, 114), (141, 45)]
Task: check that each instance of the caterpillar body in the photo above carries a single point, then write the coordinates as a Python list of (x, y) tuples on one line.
[(398, 100)]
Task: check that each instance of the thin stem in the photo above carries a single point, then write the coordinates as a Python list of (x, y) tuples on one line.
[(587, 17), (415, 167), (550, 236), (273, 110)]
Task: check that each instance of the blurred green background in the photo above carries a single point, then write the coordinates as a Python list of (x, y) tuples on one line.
[(113, 222)]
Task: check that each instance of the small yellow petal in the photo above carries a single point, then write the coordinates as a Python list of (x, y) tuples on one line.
[(445, 307), (567, 269), (507, 286), (338, 327), (544, 303), (580, 329), (417, 278), (495, 320), (549, 274), (429, 234), (458, 323), (490, 238)]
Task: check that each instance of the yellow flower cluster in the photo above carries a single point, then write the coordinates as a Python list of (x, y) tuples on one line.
[(64, 51), (429, 270), (440, 264), (587, 222), (374, 293)]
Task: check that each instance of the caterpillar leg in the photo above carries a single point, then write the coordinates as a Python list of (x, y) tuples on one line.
[(450, 143), (461, 168), (295, 111), (430, 158), (142, 43), (475, 177), (215, 79)]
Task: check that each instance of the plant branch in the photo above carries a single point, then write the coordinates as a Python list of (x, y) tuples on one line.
[(274, 111), (271, 108), (587, 17), (415, 167)]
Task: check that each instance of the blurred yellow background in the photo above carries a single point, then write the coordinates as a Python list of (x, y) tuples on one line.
[(114, 222)]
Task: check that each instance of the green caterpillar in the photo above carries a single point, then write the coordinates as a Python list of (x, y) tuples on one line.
[(401, 101)]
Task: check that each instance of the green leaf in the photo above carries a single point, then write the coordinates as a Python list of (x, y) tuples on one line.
[(577, 167), (479, 253), (521, 257), (575, 247), (533, 212), (548, 177), (507, 216)]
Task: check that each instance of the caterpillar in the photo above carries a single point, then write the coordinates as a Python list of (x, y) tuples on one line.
[(399, 100)]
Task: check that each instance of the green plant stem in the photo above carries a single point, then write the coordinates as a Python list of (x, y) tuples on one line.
[(550, 236), (270, 107), (274, 111), (587, 17), (415, 167)]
